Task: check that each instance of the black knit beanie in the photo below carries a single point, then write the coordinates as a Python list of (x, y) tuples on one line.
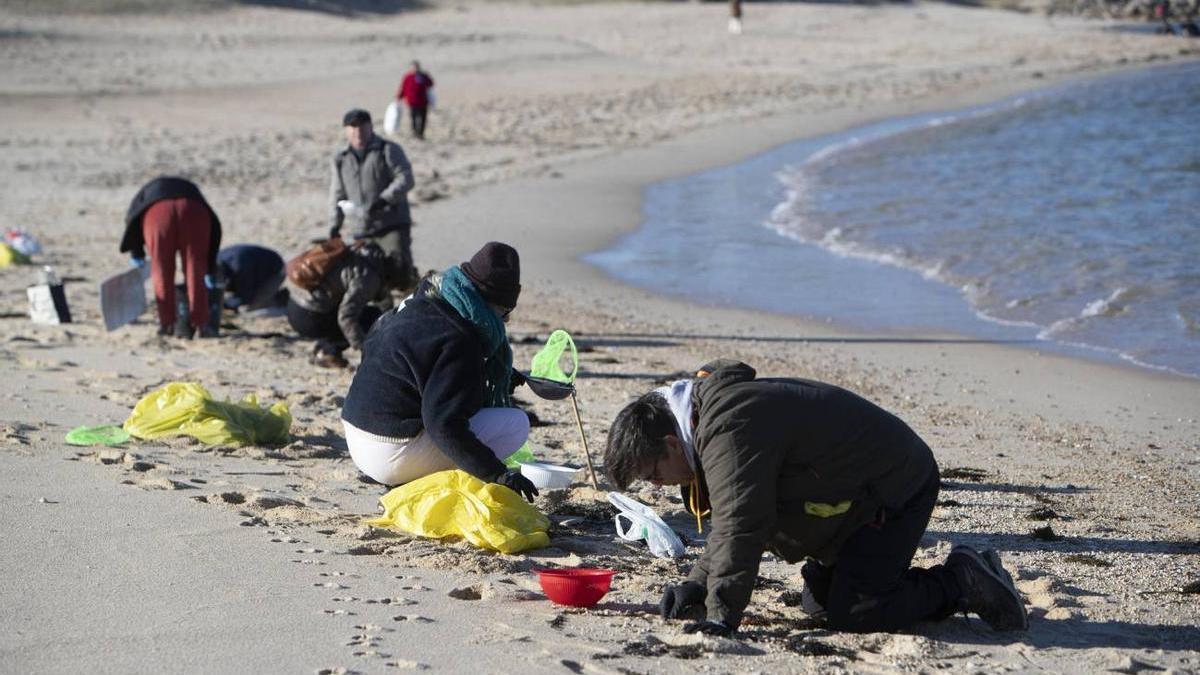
[(495, 270)]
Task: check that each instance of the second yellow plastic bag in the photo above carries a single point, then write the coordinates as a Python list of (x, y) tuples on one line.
[(456, 504), (186, 408)]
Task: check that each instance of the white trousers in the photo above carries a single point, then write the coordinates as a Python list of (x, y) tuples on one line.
[(395, 461)]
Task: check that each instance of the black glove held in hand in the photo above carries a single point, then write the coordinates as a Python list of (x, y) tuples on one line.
[(513, 480), (714, 628), (680, 598), (517, 379), (335, 231), (377, 206)]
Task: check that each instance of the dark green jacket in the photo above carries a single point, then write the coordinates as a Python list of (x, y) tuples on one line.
[(792, 466)]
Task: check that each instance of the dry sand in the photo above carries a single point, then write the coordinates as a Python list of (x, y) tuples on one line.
[(183, 557)]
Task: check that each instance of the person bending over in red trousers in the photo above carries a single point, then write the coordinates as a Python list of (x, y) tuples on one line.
[(170, 217)]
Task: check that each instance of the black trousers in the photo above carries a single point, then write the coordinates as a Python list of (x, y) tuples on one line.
[(872, 587), (418, 120), (324, 328)]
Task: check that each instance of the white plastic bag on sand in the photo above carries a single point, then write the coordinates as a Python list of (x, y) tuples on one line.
[(391, 118), (644, 523)]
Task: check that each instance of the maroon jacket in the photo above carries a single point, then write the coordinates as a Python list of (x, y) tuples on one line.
[(413, 89)]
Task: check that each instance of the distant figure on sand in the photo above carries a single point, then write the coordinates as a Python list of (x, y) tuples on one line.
[(805, 470), (339, 311), (375, 176), (170, 217), (253, 276), (415, 92), (433, 391)]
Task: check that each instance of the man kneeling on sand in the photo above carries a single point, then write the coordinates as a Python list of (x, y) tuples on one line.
[(805, 470), (433, 391)]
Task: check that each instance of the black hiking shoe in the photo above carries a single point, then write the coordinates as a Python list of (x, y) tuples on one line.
[(987, 589)]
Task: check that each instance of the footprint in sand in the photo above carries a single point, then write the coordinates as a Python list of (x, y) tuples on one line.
[(476, 592), (309, 562), (331, 584), (400, 602), (407, 665), (363, 640), (339, 574), (1052, 596), (337, 612), (414, 618)]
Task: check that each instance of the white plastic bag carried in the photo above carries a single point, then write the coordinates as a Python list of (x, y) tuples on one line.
[(644, 523), (391, 118), (355, 215)]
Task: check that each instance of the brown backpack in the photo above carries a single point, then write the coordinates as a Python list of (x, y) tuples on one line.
[(308, 269)]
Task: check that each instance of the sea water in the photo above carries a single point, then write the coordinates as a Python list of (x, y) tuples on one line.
[(1065, 218)]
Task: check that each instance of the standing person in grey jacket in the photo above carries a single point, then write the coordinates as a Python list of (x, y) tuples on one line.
[(340, 310), (805, 470), (375, 175)]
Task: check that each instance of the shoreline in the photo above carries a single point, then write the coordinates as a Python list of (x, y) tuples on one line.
[(689, 154), (981, 326)]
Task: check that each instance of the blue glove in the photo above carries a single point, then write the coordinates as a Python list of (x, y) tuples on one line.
[(137, 262), (714, 628), (209, 282)]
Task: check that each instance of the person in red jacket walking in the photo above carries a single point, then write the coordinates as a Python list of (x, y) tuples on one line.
[(414, 91)]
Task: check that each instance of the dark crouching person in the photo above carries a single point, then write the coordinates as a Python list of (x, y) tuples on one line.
[(805, 470), (170, 217), (433, 390), (253, 276), (340, 310)]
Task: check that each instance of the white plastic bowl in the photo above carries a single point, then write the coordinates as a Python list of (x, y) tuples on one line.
[(548, 476)]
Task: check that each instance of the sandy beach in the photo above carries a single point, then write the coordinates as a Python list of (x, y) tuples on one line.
[(550, 121)]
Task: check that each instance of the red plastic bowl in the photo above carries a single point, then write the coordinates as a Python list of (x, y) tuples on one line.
[(575, 587)]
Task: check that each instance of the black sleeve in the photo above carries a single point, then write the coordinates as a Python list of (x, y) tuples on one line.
[(452, 394), (214, 240), (132, 241)]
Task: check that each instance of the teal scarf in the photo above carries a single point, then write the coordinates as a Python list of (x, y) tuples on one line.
[(461, 294)]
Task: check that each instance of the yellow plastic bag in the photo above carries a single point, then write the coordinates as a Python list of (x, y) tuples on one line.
[(11, 256), (186, 408), (456, 504)]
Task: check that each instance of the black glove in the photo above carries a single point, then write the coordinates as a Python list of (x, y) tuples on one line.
[(513, 480), (714, 628), (678, 599), (377, 206), (335, 231), (517, 379)]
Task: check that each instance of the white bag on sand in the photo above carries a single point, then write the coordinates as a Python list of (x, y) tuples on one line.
[(123, 297), (644, 523), (391, 118)]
